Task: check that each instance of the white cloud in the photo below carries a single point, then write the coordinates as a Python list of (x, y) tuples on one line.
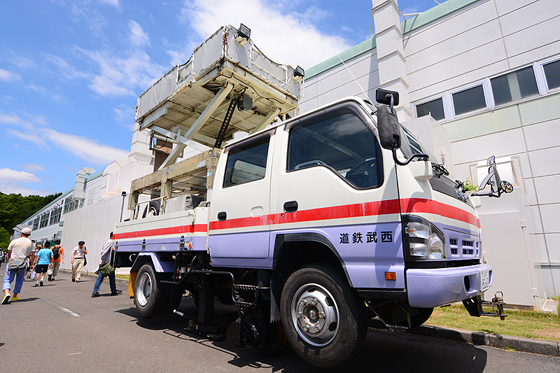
[(291, 38), (8, 174), (95, 21), (45, 92), (137, 37), (10, 118), (8, 76), (67, 71), (114, 3), (125, 115), (84, 148), (29, 123), (30, 136), (119, 76), (33, 167)]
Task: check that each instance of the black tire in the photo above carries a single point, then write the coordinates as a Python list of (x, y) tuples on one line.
[(149, 296), (173, 299), (152, 209), (322, 316), (275, 340), (421, 317)]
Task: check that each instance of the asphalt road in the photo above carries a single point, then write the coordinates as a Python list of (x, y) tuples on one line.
[(59, 327)]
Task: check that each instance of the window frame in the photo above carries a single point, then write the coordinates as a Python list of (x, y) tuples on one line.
[(544, 81), (245, 142), (362, 113), (447, 96)]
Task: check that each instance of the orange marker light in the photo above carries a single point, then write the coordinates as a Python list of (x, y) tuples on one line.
[(390, 276)]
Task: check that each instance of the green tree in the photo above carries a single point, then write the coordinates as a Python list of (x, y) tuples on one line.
[(14, 209), (4, 239)]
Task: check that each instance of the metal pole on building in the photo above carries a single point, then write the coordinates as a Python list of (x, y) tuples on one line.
[(123, 194)]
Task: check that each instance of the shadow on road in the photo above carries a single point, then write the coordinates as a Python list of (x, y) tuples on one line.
[(24, 300), (383, 350)]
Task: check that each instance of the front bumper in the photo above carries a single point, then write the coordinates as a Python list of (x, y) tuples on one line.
[(438, 286)]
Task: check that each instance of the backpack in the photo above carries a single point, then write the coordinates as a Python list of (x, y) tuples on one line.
[(55, 252)]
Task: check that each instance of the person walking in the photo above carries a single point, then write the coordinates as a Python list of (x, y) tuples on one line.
[(18, 251), (43, 261), (58, 257), (104, 259), (77, 260), (31, 259)]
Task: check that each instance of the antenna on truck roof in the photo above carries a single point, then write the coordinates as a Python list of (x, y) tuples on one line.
[(356, 80)]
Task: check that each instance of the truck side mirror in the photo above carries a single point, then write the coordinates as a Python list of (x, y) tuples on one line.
[(497, 185), (388, 127), (384, 96)]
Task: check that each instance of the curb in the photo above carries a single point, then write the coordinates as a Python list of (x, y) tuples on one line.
[(92, 274), (519, 344)]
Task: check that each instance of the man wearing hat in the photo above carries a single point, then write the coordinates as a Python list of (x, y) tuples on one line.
[(18, 251), (77, 260)]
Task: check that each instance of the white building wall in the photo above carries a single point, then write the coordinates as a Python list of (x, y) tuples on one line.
[(462, 43), (91, 224)]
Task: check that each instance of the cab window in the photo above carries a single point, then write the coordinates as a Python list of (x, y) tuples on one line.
[(247, 162), (339, 141)]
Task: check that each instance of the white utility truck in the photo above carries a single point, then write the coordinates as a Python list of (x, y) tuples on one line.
[(306, 227)]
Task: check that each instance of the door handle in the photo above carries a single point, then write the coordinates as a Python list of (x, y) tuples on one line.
[(222, 216), (291, 206)]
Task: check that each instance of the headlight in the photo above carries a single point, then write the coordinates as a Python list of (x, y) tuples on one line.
[(424, 240)]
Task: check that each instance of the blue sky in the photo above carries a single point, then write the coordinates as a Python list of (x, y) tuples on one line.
[(71, 70)]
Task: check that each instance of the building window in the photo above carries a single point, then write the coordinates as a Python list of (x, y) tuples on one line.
[(514, 86), (71, 204), (434, 108), (469, 100), (44, 220), (36, 224), (552, 74), (55, 216)]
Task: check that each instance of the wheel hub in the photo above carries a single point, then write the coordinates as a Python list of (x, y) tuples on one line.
[(315, 315), (144, 289)]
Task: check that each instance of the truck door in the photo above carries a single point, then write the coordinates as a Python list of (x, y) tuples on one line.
[(239, 226), (335, 189)]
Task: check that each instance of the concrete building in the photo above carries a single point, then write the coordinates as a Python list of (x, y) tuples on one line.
[(488, 73), (476, 78)]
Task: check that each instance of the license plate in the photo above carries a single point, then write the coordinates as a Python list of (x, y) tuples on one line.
[(484, 280)]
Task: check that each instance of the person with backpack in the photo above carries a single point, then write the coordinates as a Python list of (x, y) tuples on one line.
[(103, 260), (18, 251), (58, 257), (43, 261)]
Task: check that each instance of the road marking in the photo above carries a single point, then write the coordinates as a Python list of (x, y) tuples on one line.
[(57, 306)]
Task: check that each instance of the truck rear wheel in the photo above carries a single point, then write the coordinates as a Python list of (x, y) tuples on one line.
[(322, 316), (173, 299), (148, 293)]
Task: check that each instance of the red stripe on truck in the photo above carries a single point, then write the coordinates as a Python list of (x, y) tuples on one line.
[(162, 231), (409, 206)]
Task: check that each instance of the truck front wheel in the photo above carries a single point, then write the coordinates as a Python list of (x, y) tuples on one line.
[(148, 294), (322, 316)]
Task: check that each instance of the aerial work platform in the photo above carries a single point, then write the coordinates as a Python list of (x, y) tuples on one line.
[(227, 85)]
